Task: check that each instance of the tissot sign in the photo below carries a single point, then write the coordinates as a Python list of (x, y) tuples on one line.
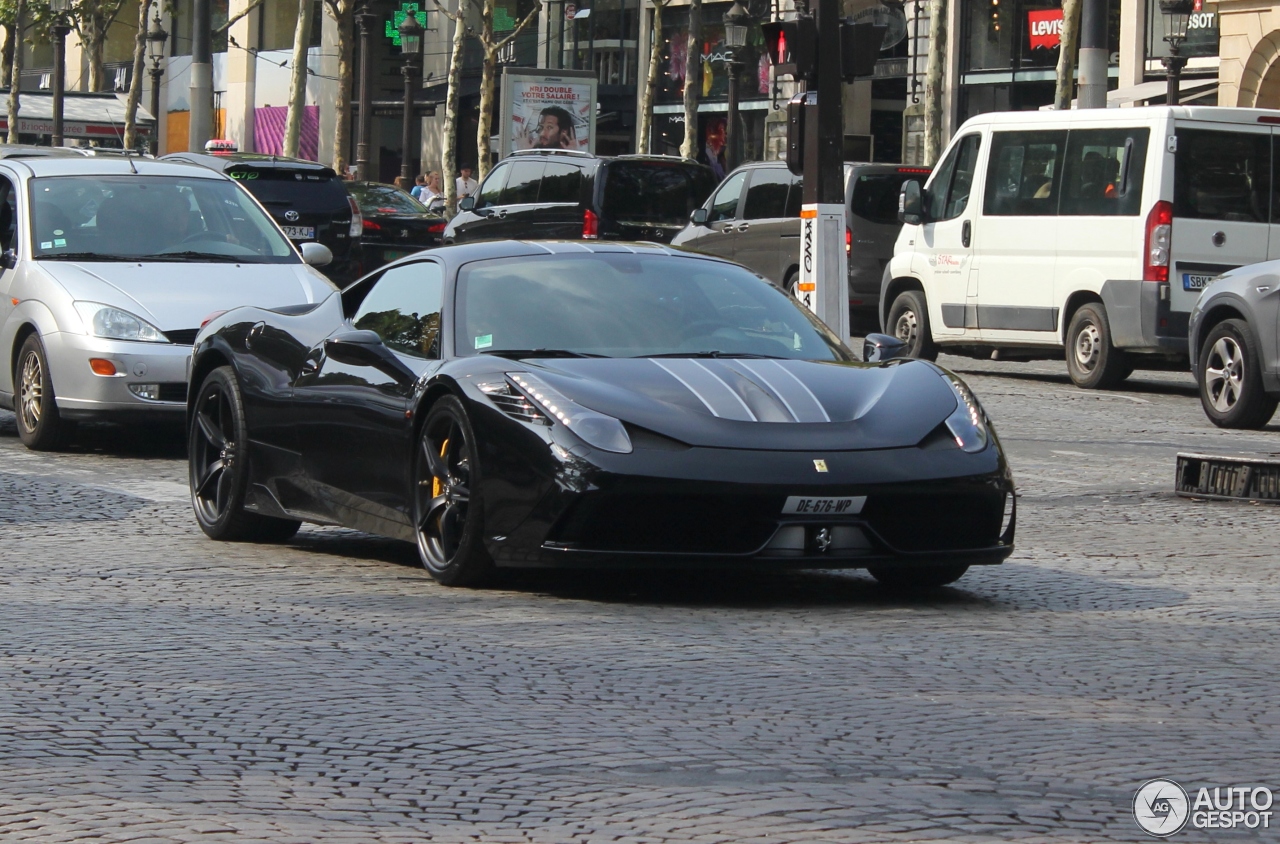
[(1046, 28)]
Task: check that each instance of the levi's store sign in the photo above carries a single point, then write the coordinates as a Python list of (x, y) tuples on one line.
[(1046, 28)]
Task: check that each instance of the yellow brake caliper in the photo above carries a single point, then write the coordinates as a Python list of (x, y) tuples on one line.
[(437, 485)]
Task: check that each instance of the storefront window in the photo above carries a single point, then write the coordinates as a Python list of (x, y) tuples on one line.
[(1202, 32), (752, 63), (604, 37), (1022, 34), (180, 28)]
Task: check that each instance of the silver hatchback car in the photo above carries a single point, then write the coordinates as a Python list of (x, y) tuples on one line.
[(108, 267)]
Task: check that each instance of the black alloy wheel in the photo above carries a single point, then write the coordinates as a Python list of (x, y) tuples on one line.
[(909, 322), (40, 427), (218, 449), (1230, 378), (1092, 361), (447, 508), (917, 578)]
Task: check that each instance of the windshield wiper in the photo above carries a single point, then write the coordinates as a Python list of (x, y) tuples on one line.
[(194, 257), (714, 353), (83, 256), (539, 353)]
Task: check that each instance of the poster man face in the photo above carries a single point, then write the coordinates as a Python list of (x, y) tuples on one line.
[(554, 130)]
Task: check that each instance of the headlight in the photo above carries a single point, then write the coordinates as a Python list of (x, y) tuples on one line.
[(596, 429), (115, 324), (967, 423)]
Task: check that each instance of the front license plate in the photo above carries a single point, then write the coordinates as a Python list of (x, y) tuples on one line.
[(1196, 281), (299, 232), (804, 506)]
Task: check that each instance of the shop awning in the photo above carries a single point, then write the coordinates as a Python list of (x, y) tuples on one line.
[(1137, 95), (84, 116)]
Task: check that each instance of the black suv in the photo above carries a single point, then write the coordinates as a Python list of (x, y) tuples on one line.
[(754, 219), (307, 199), (555, 195)]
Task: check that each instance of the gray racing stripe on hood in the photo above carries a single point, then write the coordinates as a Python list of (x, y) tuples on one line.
[(713, 392), (798, 398)]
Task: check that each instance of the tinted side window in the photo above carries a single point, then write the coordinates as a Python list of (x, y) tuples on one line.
[(8, 214), (953, 180), (1222, 176), (875, 196), (403, 308), (1025, 175), (491, 190), (767, 195), (795, 197), (1103, 172), (560, 183), (522, 184), (725, 205)]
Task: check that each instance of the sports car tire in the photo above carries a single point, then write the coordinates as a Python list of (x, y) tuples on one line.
[(909, 322), (1230, 378), (1092, 361), (40, 427), (218, 449), (447, 508), (917, 578)]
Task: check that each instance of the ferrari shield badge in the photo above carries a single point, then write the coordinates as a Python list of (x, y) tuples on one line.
[(820, 465)]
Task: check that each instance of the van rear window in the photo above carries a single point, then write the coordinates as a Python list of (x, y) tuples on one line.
[(1222, 176), (652, 192), (305, 191), (875, 196)]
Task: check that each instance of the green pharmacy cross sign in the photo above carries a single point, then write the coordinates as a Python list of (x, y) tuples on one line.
[(397, 18)]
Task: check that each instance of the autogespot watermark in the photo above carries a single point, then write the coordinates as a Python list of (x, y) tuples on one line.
[(1162, 807)]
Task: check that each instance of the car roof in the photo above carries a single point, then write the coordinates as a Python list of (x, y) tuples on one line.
[(74, 164), (463, 253), (257, 160)]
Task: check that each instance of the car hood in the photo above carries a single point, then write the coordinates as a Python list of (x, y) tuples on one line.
[(761, 404), (175, 296)]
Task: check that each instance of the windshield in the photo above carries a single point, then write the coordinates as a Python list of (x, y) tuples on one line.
[(643, 192), (159, 217), (629, 305), (384, 199)]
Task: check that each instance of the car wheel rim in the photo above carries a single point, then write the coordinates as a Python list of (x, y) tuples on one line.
[(443, 492), (907, 327), (213, 453), (1224, 374), (31, 391), (1088, 347)]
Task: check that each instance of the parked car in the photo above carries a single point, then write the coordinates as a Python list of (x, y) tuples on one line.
[(307, 199), (1087, 231), (1233, 337), (108, 266), (395, 224), (580, 404), (557, 194), (754, 218)]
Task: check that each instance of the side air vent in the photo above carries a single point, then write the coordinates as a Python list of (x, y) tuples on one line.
[(513, 403)]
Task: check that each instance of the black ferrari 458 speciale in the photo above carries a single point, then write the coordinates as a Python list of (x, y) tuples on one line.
[(569, 404)]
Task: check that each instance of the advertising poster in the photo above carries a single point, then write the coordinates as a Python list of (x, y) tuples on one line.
[(542, 110)]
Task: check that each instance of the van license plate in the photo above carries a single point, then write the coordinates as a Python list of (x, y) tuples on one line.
[(299, 232), (1196, 281), (806, 506)]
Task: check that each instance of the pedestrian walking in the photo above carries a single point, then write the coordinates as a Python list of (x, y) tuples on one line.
[(466, 185)]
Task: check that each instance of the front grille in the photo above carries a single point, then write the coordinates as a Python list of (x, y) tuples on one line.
[(176, 391), (657, 523), (182, 336), (936, 521)]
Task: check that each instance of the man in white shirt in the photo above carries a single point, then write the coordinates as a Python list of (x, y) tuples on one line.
[(466, 185)]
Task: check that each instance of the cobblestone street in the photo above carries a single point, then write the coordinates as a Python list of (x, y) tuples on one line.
[(160, 687)]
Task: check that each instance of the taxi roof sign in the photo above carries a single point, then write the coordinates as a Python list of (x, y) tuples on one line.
[(220, 146)]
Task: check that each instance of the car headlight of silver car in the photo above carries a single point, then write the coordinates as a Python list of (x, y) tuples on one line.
[(595, 429), (114, 324), (968, 422)]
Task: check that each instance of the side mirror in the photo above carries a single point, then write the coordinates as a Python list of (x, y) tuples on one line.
[(316, 254), (365, 348), (911, 203), (700, 216), (8, 259), (467, 203), (882, 347)]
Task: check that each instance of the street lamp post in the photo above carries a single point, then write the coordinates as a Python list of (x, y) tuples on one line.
[(736, 23), (59, 31), (156, 38), (410, 46), (364, 20), (1178, 14)]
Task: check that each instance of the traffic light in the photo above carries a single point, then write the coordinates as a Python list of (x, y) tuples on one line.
[(792, 47), (859, 48)]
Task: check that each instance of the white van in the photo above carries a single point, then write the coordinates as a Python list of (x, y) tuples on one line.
[(1091, 231)]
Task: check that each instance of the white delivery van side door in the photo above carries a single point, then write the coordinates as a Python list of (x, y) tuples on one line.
[(944, 246), (1020, 236), (1221, 205)]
